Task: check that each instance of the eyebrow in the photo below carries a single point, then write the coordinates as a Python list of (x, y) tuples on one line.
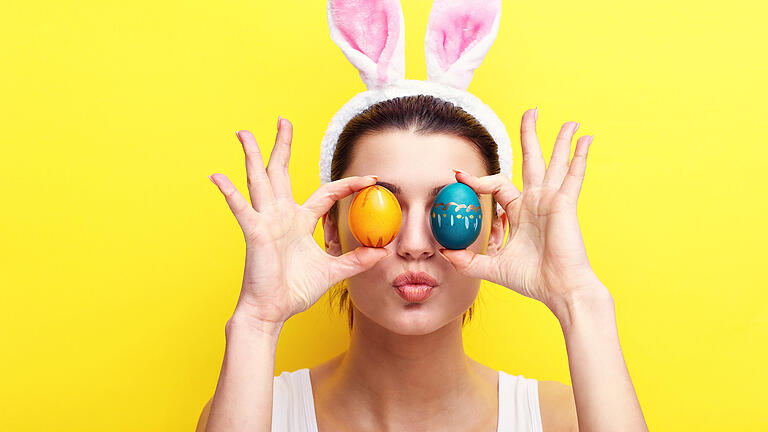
[(397, 191)]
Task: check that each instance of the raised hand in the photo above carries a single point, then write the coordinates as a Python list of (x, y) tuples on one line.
[(286, 272), (544, 257)]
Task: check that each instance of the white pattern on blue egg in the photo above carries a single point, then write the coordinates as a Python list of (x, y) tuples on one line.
[(460, 202)]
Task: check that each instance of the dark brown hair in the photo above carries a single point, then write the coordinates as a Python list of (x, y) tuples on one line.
[(422, 115)]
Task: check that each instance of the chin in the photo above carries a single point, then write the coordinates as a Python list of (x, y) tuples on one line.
[(408, 323), (407, 319)]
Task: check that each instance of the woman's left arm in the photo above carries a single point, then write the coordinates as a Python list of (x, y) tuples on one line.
[(545, 258), (603, 392)]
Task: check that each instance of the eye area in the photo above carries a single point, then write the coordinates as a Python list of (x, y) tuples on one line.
[(398, 195), (397, 191)]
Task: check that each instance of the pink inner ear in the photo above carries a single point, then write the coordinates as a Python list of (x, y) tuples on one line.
[(370, 26), (455, 29)]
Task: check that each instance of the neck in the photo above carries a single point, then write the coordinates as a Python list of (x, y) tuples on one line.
[(404, 380)]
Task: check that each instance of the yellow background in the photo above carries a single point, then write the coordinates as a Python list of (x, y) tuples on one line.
[(121, 262)]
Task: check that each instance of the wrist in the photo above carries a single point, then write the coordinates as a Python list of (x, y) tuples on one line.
[(243, 320), (586, 299)]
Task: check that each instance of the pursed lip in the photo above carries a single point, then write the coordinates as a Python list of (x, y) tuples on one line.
[(414, 278)]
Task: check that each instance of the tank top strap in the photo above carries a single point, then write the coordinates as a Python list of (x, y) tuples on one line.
[(518, 404), (293, 408)]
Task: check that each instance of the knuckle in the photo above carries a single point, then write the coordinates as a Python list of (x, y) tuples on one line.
[(332, 195), (253, 181), (499, 180), (240, 208), (251, 151), (252, 234), (355, 258), (230, 193), (576, 175)]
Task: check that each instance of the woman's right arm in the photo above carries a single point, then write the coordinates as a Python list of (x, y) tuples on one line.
[(285, 273), (243, 397)]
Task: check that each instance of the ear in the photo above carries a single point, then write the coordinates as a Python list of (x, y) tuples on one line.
[(331, 234), (459, 35), (371, 34), (498, 233)]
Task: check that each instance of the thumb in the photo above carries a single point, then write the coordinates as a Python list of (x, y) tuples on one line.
[(470, 264), (356, 261)]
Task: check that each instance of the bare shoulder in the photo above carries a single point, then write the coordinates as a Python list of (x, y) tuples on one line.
[(558, 409), (202, 423)]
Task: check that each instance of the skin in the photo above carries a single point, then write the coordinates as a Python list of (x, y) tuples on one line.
[(405, 368), (411, 353)]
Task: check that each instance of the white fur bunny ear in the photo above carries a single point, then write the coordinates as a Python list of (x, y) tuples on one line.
[(459, 35), (371, 34)]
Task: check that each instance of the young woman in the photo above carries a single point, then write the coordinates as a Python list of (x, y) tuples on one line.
[(405, 368)]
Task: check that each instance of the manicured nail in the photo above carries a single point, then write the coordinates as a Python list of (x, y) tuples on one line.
[(375, 178), (211, 178), (278, 121), (237, 134), (536, 113), (458, 171)]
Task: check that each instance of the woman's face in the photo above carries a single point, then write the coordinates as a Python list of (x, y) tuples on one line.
[(413, 167)]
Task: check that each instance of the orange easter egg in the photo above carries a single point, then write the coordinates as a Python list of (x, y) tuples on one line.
[(375, 216)]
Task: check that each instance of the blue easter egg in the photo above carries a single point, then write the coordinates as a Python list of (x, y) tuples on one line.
[(456, 217)]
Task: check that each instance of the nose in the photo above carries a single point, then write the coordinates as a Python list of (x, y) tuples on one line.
[(415, 240)]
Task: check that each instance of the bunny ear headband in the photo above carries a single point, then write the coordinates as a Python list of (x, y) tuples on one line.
[(371, 34)]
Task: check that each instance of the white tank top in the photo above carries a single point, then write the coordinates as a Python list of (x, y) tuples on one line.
[(293, 408)]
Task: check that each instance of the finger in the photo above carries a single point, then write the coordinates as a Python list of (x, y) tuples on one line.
[(561, 153), (277, 168), (354, 262), (237, 203), (259, 186), (473, 265), (533, 161), (502, 189), (573, 180), (323, 198)]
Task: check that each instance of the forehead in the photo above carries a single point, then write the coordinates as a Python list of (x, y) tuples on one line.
[(405, 158)]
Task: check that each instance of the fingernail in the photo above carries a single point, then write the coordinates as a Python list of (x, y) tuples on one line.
[(237, 134), (590, 141), (375, 178), (278, 121), (536, 113), (458, 171), (577, 127), (211, 178)]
